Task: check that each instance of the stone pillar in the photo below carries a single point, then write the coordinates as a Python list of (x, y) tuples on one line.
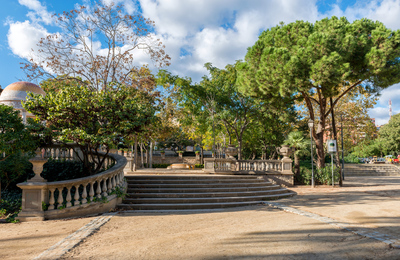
[(34, 192)]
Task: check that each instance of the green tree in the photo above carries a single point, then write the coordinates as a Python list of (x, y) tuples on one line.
[(14, 140), (301, 59), (298, 141), (390, 134), (94, 120)]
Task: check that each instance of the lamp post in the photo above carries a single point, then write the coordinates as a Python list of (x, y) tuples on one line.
[(311, 126)]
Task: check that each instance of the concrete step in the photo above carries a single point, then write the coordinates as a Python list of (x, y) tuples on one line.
[(183, 206), (191, 185), (194, 181), (206, 194), (185, 192), (206, 189)]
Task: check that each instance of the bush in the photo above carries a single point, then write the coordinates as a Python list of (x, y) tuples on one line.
[(350, 158), (57, 170), (199, 165), (15, 169), (322, 176), (10, 204)]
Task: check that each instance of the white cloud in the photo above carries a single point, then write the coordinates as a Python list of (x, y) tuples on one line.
[(23, 37), (385, 11), (39, 12)]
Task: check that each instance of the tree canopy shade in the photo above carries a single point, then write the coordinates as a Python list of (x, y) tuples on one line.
[(96, 44), (14, 137), (301, 59), (390, 134), (93, 119)]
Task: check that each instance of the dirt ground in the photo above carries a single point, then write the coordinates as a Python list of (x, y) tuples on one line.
[(258, 232)]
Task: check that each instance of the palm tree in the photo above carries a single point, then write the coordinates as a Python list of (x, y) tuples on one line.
[(298, 141)]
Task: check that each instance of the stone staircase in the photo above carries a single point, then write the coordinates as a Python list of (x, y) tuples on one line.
[(188, 192), (371, 170)]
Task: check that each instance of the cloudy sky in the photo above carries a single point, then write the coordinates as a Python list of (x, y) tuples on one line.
[(194, 31)]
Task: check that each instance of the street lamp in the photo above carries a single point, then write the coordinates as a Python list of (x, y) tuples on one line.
[(311, 126)]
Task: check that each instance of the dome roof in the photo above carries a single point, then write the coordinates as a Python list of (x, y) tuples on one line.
[(18, 91)]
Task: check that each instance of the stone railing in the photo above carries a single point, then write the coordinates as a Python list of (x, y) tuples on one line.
[(219, 165), (259, 165), (98, 193), (277, 171)]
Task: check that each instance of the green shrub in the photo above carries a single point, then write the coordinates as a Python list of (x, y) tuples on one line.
[(199, 165), (58, 170), (324, 175), (15, 169), (10, 204), (350, 158)]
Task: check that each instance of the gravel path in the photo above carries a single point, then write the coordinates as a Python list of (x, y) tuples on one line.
[(306, 230)]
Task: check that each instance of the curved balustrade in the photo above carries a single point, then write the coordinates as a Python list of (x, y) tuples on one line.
[(77, 197)]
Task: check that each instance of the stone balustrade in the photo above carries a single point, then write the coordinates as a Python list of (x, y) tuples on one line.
[(277, 171), (259, 165), (73, 198)]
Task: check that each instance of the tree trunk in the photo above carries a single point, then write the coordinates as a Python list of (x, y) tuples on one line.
[(141, 155), (338, 165), (201, 155), (296, 165), (319, 143), (151, 155), (136, 154)]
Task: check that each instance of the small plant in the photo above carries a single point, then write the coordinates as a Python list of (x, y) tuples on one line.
[(197, 152), (162, 151), (63, 206), (119, 192), (180, 152), (199, 165), (45, 206), (3, 213), (103, 199)]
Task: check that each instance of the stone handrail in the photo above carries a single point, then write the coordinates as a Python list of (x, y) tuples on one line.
[(73, 198), (105, 183), (259, 165)]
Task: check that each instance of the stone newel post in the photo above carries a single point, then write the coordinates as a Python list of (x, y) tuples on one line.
[(286, 151), (34, 191)]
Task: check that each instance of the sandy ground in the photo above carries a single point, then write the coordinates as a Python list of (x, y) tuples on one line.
[(257, 232), (27, 240)]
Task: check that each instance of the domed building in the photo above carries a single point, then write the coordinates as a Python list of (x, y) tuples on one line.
[(17, 92)]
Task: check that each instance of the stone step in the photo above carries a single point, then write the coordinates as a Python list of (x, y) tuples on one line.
[(187, 190), (198, 199), (183, 206), (189, 177), (194, 181), (206, 194), (195, 186)]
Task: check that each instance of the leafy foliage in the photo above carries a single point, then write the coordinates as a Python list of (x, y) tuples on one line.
[(93, 119), (329, 58)]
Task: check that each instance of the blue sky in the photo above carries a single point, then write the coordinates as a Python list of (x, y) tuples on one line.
[(194, 32)]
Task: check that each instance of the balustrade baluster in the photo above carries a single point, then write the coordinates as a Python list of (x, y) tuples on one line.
[(60, 199), (98, 190), (109, 187), (104, 188), (52, 200), (69, 204), (91, 191), (113, 182), (84, 194), (76, 197)]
